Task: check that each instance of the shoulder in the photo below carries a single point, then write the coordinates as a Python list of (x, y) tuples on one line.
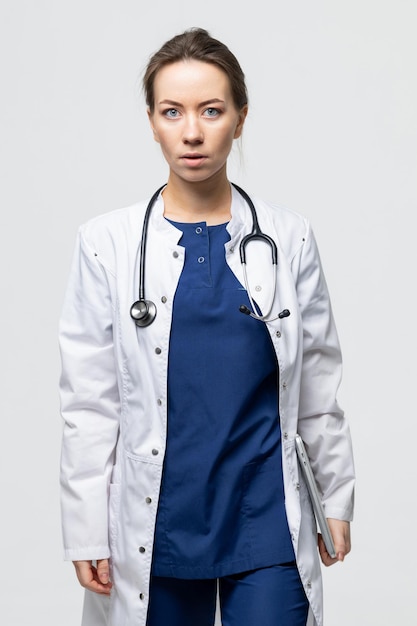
[(290, 228), (114, 226), (109, 236), (113, 221)]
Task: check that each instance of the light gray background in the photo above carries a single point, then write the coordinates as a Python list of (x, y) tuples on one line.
[(331, 133)]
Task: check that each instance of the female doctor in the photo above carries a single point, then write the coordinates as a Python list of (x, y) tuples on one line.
[(179, 470)]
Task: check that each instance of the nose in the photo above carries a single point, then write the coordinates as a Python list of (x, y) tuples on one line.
[(193, 133)]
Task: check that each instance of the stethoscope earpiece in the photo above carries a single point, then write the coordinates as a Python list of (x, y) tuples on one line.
[(143, 312)]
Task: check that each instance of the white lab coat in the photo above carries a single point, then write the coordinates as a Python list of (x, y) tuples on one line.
[(114, 392)]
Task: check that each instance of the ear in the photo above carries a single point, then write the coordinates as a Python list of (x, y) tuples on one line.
[(241, 120), (150, 118)]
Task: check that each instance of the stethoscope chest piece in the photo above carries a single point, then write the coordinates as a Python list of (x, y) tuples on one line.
[(143, 312)]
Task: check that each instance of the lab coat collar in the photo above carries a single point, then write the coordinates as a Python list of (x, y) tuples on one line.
[(241, 221), (161, 225), (238, 225)]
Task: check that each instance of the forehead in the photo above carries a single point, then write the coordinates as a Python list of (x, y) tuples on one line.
[(191, 79)]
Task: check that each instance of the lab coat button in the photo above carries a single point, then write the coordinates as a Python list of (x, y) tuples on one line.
[(158, 350), (148, 500), (159, 401), (232, 249), (297, 486), (141, 596), (164, 299), (285, 435), (278, 334), (175, 254), (155, 452), (142, 549), (284, 384), (258, 288), (309, 584)]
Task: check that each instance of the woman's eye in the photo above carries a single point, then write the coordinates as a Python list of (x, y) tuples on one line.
[(212, 112), (171, 113)]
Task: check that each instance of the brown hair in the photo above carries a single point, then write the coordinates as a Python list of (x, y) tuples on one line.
[(197, 44)]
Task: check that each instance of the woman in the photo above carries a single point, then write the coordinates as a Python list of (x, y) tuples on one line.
[(179, 471)]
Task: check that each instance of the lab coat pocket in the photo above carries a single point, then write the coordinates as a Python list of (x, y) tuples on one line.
[(296, 476), (300, 486), (299, 491), (307, 506), (114, 509), (290, 457)]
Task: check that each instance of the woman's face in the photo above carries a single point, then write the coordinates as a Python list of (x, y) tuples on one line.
[(195, 119)]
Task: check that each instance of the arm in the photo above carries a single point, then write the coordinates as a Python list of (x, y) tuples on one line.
[(322, 423), (89, 405)]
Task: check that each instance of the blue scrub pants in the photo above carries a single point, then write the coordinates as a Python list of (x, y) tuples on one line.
[(271, 596)]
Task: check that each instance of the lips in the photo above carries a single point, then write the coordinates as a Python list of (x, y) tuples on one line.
[(193, 155), (193, 158)]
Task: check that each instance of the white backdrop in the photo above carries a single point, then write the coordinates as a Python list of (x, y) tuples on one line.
[(331, 133)]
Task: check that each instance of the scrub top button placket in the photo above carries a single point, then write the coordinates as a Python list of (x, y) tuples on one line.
[(199, 231), (201, 251)]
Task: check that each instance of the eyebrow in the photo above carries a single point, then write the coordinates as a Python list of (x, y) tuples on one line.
[(200, 104)]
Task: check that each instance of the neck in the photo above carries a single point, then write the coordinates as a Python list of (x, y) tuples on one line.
[(206, 201)]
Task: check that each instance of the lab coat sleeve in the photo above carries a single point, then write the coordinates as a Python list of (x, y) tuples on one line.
[(90, 406), (322, 423)]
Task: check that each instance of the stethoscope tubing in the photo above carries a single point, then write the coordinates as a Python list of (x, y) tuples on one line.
[(144, 241), (143, 311), (256, 232)]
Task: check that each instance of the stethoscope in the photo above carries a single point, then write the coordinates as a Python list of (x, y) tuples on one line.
[(143, 311)]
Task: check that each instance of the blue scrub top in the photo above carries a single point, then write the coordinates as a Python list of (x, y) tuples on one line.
[(221, 508)]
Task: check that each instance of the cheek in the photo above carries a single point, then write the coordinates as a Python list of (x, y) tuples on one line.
[(227, 140), (161, 137), (229, 132)]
